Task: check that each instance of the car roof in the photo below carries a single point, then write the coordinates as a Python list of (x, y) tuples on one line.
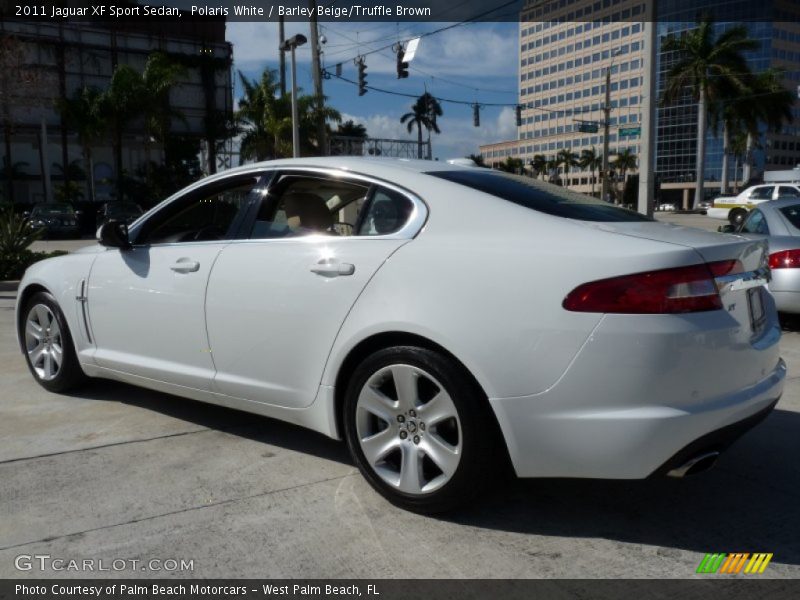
[(377, 166)]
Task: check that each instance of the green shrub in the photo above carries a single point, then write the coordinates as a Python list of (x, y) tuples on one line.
[(12, 266), (16, 233)]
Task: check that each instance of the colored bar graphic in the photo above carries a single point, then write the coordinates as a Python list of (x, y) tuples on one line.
[(733, 563)]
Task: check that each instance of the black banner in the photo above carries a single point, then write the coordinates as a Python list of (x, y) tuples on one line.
[(706, 588)]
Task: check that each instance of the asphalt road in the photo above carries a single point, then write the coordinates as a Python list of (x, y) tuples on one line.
[(116, 472)]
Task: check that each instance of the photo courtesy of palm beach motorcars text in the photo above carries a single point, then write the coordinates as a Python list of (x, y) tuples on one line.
[(399, 299)]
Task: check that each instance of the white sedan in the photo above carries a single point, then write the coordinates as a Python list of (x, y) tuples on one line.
[(438, 317)]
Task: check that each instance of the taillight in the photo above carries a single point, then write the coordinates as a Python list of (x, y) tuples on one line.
[(785, 259), (679, 290)]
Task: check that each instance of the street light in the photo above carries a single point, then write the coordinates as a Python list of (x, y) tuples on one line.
[(290, 44), (607, 111)]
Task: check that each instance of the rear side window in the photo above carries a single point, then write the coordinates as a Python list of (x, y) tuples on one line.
[(539, 196), (792, 214)]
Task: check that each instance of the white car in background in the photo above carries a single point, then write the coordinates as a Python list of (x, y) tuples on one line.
[(438, 317), (735, 208)]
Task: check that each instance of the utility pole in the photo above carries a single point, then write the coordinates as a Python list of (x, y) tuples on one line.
[(281, 39), (606, 125), (647, 155), (291, 44), (316, 71)]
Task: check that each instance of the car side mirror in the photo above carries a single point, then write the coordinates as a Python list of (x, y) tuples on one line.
[(114, 234), (727, 228)]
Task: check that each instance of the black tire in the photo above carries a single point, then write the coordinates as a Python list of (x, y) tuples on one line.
[(478, 434), (737, 216), (69, 374)]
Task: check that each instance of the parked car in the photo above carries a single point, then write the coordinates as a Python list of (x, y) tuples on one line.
[(56, 219), (666, 206), (735, 208), (471, 317), (125, 212), (779, 223)]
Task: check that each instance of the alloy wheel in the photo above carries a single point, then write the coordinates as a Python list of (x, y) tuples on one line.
[(408, 429), (43, 342)]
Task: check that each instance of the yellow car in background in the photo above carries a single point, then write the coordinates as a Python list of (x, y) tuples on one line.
[(735, 208)]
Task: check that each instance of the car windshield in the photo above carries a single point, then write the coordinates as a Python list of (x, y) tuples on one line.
[(52, 209), (539, 196), (792, 214)]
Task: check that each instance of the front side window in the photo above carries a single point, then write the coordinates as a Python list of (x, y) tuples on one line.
[(206, 214)]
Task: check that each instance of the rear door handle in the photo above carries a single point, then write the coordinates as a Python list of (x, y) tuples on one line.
[(333, 269), (185, 265)]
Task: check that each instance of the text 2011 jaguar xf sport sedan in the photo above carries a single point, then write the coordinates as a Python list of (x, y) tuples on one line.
[(437, 317)]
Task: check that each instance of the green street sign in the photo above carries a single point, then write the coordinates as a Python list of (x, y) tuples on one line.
[(629, 131), (587, 128)]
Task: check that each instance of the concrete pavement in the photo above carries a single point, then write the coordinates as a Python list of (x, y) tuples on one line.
[(117, 472)]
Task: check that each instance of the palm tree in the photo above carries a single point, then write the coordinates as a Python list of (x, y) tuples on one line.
[(82, 114), (511, 165), (710, 69), (267, 119), (590, 159), (352, 129), (423, 114), (311, 111), (569, 159), (477, 159), (773, 104), (551, 166), (158, 78), (539, 164), (624, 162), (118, 106)]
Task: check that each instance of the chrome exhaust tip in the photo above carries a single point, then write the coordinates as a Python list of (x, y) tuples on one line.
[(697, 464)]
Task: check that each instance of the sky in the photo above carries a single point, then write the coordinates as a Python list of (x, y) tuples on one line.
[(475, 62)]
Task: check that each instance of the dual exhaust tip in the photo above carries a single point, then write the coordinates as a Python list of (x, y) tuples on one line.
[(696, 464)]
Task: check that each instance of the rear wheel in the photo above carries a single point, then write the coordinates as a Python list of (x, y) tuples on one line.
[(737, 216), (48, 346), (418, 429)]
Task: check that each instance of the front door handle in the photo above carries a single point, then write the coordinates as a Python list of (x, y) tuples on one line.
[(328, 268), (185, 265)]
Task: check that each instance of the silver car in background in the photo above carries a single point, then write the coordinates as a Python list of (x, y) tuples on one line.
[(779, 222)]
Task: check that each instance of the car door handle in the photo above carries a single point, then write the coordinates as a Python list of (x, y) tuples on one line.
[(184, 265), (328, 268)]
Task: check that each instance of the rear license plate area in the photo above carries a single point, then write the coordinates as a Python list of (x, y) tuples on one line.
[(755, 303)]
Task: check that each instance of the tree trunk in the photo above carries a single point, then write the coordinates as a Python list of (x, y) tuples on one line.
[(593, 183), (419, 140), (700, 169), (117, 148), (736, 175), (726, 142), (748, 157), (87, 159), (9, 161)]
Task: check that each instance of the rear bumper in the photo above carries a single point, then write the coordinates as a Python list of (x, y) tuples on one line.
[(625, 442)]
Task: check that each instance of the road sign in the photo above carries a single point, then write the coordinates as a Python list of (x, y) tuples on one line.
[(587, 128), (629, 131)]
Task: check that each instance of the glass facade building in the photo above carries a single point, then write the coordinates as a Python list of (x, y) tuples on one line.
[(566, 47)]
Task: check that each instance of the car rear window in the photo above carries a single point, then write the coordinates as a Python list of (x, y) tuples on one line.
[(539, 196)]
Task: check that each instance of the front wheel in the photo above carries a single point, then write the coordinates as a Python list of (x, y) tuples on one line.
[(48, 346), (418, 429)]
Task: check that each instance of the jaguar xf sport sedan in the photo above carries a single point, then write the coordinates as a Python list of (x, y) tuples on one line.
[(439, 318)]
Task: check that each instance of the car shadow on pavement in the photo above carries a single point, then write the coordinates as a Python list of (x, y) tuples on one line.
[(219, 418), (749, 502)]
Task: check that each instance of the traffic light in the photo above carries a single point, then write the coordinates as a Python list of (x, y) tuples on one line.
[(362, 77), (476, 115), (402, 67), (519, 115)]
